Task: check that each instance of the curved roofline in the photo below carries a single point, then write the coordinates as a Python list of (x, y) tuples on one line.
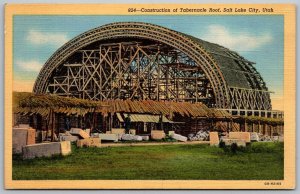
[(146, 31), (207, 55)]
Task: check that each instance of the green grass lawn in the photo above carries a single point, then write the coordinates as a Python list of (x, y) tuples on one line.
[(258, 162)]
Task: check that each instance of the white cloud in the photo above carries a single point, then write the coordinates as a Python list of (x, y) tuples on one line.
[(33, 66), (242, 41), (41, 38)]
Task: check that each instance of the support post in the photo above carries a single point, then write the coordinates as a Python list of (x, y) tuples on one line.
[(53, 125)]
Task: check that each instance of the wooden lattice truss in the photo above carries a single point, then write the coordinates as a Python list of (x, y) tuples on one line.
[(143, 61), (132, 70)]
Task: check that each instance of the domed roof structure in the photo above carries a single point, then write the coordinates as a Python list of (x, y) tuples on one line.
[(135, 60)]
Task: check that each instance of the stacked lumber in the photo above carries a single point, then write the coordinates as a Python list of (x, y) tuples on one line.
[(28, 103)]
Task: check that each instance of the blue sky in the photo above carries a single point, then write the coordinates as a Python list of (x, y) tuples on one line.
[(257, 38)]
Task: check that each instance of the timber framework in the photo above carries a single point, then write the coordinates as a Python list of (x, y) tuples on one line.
[(142, 61)]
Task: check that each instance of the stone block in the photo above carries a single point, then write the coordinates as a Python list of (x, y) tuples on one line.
[(46, 149), (22, 137), (118, 131), (138, 138), (68, 133), (79, 132), (214, 139), (46, 137), (239, 142), (90, 142), (254, 136), (88, 131), (240, 135), (281, 139), (30, 136), (108, 137), (157, 134), (277, 138), (65, 148), (23, 126), (94, 134), (71, 138), (179, 137), (171, 133), (132, 131), (145, 137), (130, 137), (127, 137), (19, 140)]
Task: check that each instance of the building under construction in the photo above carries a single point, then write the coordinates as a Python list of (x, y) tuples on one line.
[(142, 62)]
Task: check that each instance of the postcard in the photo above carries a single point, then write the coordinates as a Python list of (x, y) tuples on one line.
[(150, 96)]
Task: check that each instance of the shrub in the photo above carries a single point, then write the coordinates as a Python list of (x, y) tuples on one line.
[(255, 147), (234, 148), (222, 144), (268, 147)]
